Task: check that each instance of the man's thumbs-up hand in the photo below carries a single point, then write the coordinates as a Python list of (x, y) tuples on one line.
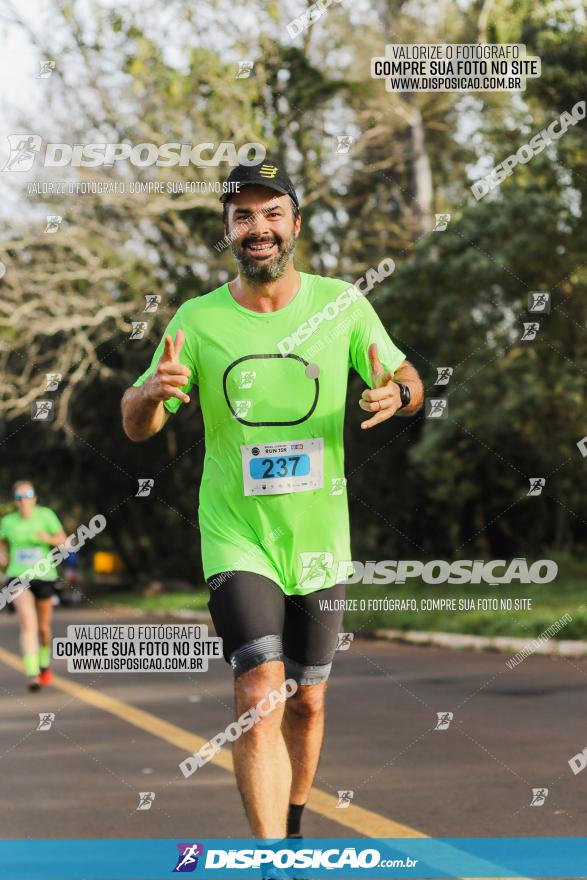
[(383, 398), (379, 376)]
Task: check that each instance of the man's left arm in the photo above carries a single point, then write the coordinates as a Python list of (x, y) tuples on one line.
[(407, 374), (386, 398), (369, 340)]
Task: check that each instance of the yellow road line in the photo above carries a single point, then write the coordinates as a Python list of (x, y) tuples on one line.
[(365, 822)]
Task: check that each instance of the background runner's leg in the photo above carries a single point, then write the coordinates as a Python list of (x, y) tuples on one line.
[(44, 611), (303, 731), (29, 641), (261, 760)]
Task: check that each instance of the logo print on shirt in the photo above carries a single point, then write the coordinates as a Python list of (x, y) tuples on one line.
[(241, 414)]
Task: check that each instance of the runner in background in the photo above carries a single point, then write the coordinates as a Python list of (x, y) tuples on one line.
[(26, 537)]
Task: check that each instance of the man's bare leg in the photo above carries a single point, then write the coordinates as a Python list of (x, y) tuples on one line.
[(261, 761), (303, 730)]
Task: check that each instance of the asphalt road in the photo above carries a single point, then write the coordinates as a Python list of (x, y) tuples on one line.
[(512, 731)]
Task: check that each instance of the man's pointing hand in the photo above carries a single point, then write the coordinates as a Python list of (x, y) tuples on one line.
[(170, 374)]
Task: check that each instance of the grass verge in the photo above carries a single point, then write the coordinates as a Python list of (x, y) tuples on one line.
[(548, 603)]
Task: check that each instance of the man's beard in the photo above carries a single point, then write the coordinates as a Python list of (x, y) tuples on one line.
[(270, 270)]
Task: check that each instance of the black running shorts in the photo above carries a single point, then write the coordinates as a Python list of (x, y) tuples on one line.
[(258, 622), (40, 589)]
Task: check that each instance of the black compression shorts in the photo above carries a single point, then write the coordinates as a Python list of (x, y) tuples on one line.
[(40, 589), (258, 623)]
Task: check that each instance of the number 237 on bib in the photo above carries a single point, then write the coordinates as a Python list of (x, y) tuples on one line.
[(287, 466)]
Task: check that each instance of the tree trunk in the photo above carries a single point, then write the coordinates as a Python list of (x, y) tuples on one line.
[(422, 173)]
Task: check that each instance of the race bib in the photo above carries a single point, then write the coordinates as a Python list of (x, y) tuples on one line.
[(28, 555), (280, 468)]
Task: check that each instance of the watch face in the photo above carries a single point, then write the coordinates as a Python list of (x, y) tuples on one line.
[(405, 396)]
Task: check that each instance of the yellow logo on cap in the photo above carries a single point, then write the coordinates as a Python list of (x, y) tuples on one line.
[(268, 170)]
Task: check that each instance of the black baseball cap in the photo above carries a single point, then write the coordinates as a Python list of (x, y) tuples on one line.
[(266, 173)]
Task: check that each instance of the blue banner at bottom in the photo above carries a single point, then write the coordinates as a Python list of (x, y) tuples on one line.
[(529, 857)]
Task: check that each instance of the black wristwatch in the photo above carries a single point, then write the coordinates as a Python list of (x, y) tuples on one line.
[(404, 393)]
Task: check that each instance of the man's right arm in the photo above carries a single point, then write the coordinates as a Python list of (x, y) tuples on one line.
[(143, 413)]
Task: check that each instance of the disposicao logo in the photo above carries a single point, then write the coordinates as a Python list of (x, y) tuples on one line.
[(187, 860)]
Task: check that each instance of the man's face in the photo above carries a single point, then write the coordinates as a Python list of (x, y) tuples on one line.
[(263, 233)]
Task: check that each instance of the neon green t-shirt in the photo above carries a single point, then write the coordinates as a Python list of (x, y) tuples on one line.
[(272, 389), (25, 549)]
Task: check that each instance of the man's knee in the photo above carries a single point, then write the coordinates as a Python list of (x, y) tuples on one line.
[(255, 687), (308, 701)]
